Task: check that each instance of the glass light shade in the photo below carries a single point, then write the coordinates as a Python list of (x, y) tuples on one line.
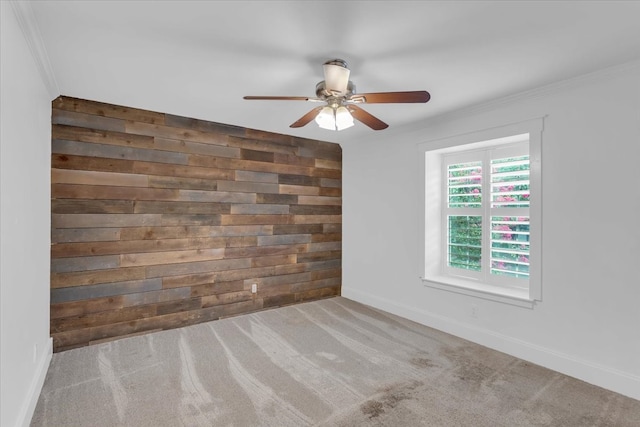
[(336, 78), (326, 118), (344, 119)]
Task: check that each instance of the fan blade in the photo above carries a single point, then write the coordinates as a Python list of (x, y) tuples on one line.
[(306, 118), (366, 118), (394, 97), (278, 98)]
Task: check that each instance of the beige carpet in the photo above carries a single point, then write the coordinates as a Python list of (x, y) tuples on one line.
[(332, 362)]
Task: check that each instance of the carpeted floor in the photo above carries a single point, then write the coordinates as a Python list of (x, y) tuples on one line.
[(332, 362)]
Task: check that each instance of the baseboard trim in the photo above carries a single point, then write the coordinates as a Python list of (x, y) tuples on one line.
[(29, 406), (593, 373)]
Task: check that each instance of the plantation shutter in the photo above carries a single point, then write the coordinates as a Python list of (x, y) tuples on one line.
[(487, 214)]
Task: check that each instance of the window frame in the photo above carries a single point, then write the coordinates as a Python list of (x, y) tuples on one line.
[(432, 222)]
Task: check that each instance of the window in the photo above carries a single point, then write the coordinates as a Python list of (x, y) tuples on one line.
[(486, 214), (482, 222)]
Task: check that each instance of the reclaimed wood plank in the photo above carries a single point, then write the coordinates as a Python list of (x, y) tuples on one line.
[(94, 277), (190, 219), (255, 219), (104, 289), (325, 246), (316, 219), (255, 155), (314, 144), (248, 187), (220, 196), (79, 308), (332, 228), (273, 260), (63, 250), (226, 298), (316, 284), (178, 306), (315, 210), (68, 161), (330, 182), (202, 125), (269, 136), (71, 118), (320, 200), (256, 251), (107, 110), (298, 189), (155, 297), (195, 147), (326, 274), (298, 180), (326, 173), (332, 192), (197, 267), (78, 206), (261, 145), (67, 235), (82, 134), (75, 191), (102, 318), (327, 154), (328, 164), (70, 176), (290, 159), (319, 256), (279, 300), (182, 183), (250, 165), (281, 279), (178, 170), (153, 233), (169, 132), (61, 146), (323, 265), (298, 229), (171, 257), (326, 237), (264, 209), (218, 288), (315, 294), (71, 339), (87, 263), (159, 207), (104, 220), (241, 175), (284, 239), (277, 199)]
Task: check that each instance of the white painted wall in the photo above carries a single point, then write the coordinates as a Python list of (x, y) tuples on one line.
[(25, 152), (588, 323)]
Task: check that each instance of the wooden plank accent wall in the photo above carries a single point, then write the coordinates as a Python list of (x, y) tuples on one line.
[(160, 221)]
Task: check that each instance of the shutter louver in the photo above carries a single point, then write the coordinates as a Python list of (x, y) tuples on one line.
[(464, 185), (510, 216)]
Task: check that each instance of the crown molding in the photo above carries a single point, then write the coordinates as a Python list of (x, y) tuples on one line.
[(572, 82), (416, 128), (29, 26)]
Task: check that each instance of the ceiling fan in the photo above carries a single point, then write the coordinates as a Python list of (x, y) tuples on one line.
[(339, 95)]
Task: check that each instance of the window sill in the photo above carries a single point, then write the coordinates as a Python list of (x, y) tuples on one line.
[(517, 297)]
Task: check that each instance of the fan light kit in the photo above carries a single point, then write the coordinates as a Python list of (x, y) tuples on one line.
[(339, 94)]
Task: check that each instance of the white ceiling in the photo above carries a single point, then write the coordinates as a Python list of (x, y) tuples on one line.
[(198, 59)]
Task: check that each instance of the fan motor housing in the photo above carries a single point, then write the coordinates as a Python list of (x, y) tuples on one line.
[(323, 93)]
